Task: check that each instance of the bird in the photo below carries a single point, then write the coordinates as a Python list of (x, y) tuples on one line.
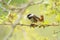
[(33, 18)]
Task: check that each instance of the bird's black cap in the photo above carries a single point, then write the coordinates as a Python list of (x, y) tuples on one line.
[(28, 16)]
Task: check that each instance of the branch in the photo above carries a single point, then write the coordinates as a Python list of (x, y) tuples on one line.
[(9, 2), (36, 3), (4, 9), (23, 6), (34, 25), (24, 34), (9, 35)]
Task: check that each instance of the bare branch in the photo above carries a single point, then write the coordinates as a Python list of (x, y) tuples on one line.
[(8, 14), (23, 6), (35, 25), (4, 9), (9, 35), (35, 3), (9, 2), (24, 34)]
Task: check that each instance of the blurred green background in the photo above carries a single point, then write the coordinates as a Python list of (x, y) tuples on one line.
[(47, 8)]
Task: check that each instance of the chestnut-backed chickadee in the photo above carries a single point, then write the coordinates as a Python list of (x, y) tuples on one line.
[(34, 18)]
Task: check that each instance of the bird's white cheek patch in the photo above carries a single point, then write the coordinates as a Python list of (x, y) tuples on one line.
[(31, 15)]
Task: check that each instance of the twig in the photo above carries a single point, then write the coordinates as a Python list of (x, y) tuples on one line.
[(36, 3), (4, 9), (35, 24), (27, 5), (9, 35), (9, 2), (24, 34)]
